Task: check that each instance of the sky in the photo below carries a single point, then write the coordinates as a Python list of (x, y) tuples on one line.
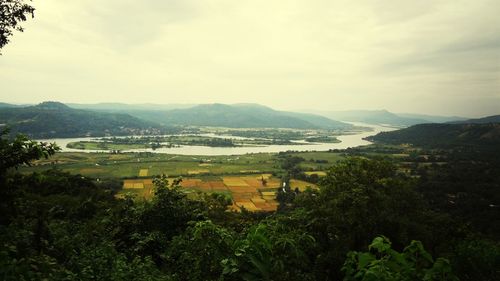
[(432, 57)]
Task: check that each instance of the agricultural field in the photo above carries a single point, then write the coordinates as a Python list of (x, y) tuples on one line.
[(319, 173), (130, 165), (247, 179), (318, 161), (252, 192), (301, 185)]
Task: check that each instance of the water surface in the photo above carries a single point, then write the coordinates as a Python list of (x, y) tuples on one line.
[(347, 141)]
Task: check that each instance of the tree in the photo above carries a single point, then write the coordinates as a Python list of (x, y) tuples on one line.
[(359, 199), (12, 12), (21, 151), (382, 263), (198, 252)]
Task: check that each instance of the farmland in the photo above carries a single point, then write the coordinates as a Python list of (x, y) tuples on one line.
[(252, 192), (250, 180), (128, 165)]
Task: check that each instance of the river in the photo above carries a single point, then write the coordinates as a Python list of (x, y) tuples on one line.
[(347, 141)]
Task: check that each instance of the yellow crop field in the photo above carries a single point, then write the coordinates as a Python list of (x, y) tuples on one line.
[(198, 172), (234, 181), (143, 172), (254, 182), (137, 184), (268, 193), (258, 200), (247, 191), (301, 185), (247, 205), (249, 171), (319, 173)]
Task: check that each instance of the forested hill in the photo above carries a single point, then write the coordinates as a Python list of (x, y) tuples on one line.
[(53, 119), (388, 118), (484, 120), (248, 116), (444, 135)]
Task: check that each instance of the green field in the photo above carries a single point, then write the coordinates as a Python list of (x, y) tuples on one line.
[(128, 165), (96, 145)]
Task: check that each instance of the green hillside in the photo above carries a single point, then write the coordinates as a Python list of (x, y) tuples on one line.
[(484, 120), (248, 116), (53, 119), (387, 117), (444, 135)]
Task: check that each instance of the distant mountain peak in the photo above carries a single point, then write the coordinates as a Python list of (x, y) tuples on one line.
[(54, 119), (52, 105), (248, 115)]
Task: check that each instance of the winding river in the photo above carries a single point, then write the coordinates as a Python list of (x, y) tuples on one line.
[(347, 141)]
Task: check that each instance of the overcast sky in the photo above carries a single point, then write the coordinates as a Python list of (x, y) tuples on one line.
[(436, 57)]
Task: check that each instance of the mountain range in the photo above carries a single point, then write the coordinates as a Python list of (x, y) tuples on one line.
[(384, 117), (484, 120), (246, 116), (53, 119)]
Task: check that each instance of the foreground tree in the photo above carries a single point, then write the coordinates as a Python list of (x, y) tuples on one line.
[(382, 263), (21, 151), (12, 13)]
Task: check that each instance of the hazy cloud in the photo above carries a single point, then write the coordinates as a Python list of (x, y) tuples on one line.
[(420, 56)]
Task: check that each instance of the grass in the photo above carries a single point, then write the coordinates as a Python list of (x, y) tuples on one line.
[(129, 165)]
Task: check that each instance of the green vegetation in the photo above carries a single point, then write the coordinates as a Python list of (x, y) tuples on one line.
[(444, 135), (127, 165), (155, 142), (247, 116), (53, 119), (435, 206), (279, 134), (103, 145), (323, 139), (386, 264), (484, 120)]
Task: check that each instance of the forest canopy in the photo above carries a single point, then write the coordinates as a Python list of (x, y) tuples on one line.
[(365, 221)]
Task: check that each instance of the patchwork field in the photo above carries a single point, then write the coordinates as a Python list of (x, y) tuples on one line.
[(252, 192), (245, 178)]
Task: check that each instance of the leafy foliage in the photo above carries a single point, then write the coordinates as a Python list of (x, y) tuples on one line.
[(383, 263), (59, 226), (12, 12), (21, 151)]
